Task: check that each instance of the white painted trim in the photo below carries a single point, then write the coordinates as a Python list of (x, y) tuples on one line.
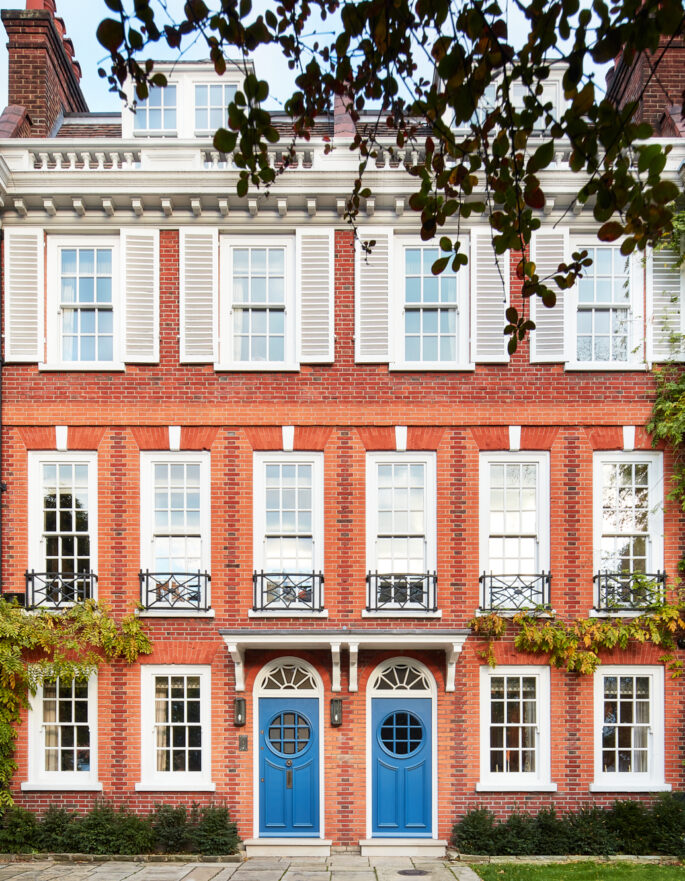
[(226, 359), (53, 353), (417, 614), (39, 779), (152, 780), (62, 438), (514, 438), (287, 847), (401, 438), (286, 613), (330, 234), (125, 232), (422, 848), (258, 692), (428, 459), (655, 545), (288, 432), (37, 458), (521, 781), (148, 460), (367, 234), (628, 438), (8, 304), (171, 613), (260, 461), (541, 460), (216, 277), (463, 360), (372, 693), (617, 781), (175, 438)]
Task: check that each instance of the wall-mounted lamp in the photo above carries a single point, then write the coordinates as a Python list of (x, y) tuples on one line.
[(239, 712), (336, 712)]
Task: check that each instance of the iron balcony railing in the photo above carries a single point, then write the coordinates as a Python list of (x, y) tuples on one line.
[(514, 593), (402, 591), (629, 590), (55, 590), (287, 590), (175, 591)]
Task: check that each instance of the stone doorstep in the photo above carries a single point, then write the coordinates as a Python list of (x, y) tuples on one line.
[(403, 847), (287, 847)]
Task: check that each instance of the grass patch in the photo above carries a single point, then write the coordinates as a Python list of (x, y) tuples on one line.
[(579, 872)]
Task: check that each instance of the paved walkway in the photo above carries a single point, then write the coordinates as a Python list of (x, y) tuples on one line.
[(339, 867)]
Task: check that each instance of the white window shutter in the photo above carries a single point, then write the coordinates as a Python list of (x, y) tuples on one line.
[(315, 287), (24, 252), (665, 295), (199, 283), (140, 286), (372, 313), (548, 250), (489, 299)]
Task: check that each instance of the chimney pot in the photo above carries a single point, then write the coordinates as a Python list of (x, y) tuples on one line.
[(44, 5), (343, 124), (69, 46), (61, 27)]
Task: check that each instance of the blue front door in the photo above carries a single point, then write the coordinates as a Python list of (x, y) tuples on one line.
[(401, 754), (288, 766)]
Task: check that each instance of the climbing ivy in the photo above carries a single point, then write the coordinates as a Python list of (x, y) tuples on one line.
[(39, 645)]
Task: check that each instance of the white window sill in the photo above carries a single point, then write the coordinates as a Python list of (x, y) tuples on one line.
[(170, 786), (155, 133), (61, 787), (620, 366), (286, 613), (258, 367), (401, 613), (630, 787), (506, 786), (90, 366), (621, 613), (511, 613), (177, 613), (432, 366)]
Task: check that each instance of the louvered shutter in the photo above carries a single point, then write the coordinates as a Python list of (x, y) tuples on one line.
[(315, 287), (373, 297), (24, 294), (140, 286), (199, 283), (665, 293), (549, 249), (489, 299)]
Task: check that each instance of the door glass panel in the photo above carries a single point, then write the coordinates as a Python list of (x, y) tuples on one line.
[(401, 733), (289, 734)]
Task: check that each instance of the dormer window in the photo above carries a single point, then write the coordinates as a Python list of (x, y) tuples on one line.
[(211, 103), (157, 113)]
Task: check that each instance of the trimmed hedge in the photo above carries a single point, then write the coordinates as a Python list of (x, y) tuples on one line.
[(108, 830), (627, 827)]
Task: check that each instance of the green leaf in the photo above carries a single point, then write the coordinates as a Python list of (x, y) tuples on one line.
[(110, 34), (610, 231), (440, 265), (542, 157), (224, 140)]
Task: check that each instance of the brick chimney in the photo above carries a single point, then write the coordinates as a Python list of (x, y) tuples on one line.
[(660, 99), (343, 124), (43, 75)]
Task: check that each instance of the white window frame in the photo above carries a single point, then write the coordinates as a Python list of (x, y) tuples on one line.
[(38, 778), (209, 132), (655, 461), (426, 459), (519, 781), (36, 459), (623, 781), (636, 347), (152, 780), (159, 132), (396, 327), (53, 359), (226, 316), (260, 461), (148, 460), (542, 503)]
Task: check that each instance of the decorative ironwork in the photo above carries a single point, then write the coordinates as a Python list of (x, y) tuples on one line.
[(629, 590), (513, 593), (289, 677), (55, 590), (402, 677), (288, 590), (175, 591), (401, 591)]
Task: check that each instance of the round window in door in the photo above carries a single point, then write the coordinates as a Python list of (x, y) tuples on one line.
[(289, 734), (401, 733)]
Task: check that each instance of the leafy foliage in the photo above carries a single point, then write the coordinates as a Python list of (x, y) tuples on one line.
[(70, 644), (629, 827), (480, 148), (109, 830), (576, 645)]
